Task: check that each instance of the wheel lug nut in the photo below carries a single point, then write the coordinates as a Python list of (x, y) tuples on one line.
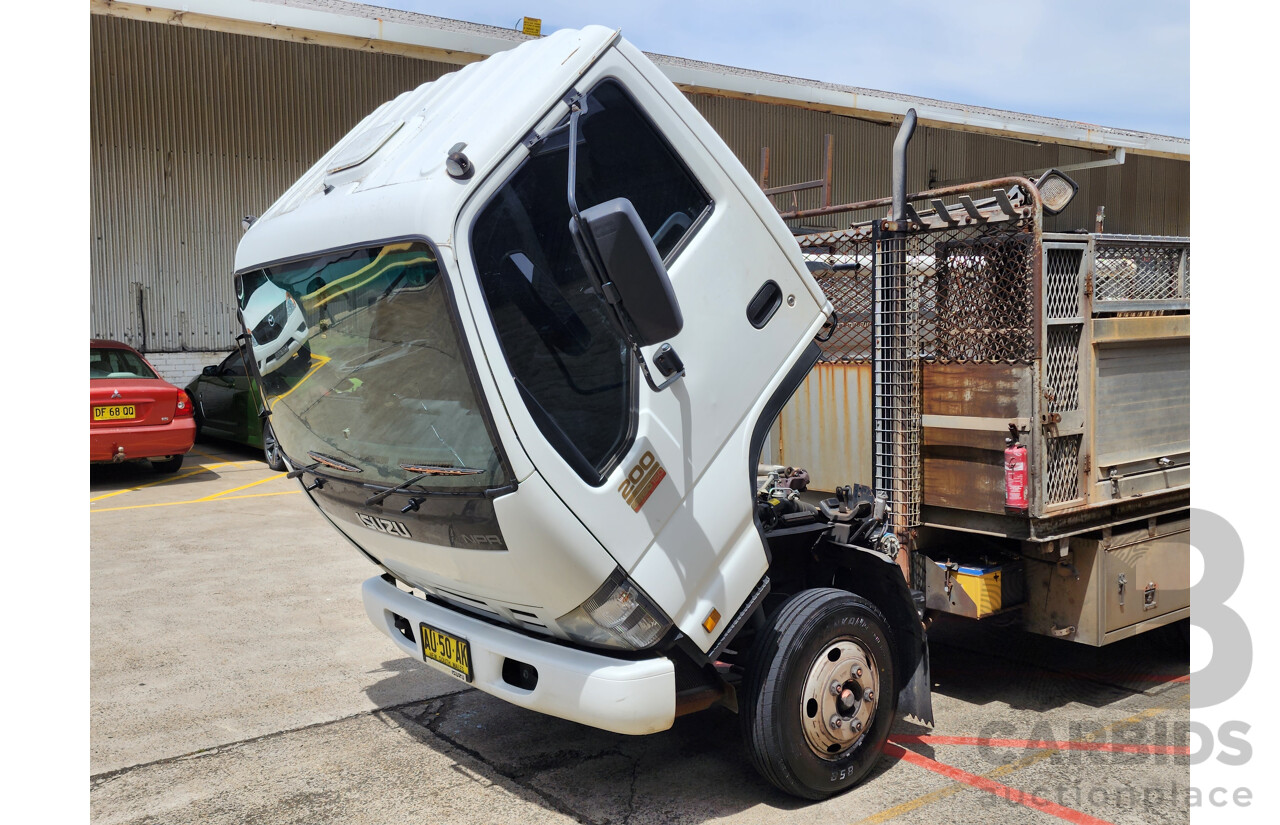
[(858, 673), (871, 695), (857, 725), (836, 721), (835, 688)]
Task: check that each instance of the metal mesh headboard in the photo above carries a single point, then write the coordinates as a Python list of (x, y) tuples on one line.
[(962, 292), (972, 289)]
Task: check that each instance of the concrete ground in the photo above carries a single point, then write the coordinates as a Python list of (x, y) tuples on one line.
[(235, 678)]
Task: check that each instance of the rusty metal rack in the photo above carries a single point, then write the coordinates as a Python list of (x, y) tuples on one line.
[(971, 320)]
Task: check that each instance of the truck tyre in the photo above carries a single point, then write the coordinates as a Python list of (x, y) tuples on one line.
[(820, 693)]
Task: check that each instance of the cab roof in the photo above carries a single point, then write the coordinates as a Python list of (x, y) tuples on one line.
[(393, 162)]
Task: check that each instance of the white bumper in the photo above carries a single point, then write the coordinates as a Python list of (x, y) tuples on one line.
[(617, 695)]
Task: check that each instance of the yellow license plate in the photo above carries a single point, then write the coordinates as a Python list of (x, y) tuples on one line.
[(448, 650), (116, 412)]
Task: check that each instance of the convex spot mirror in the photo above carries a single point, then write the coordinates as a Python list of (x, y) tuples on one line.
[(630, 268)]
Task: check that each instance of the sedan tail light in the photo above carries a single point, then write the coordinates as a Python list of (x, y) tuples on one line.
[(184, 408)]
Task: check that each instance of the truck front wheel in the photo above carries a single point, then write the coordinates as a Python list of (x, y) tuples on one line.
[(819, 693)]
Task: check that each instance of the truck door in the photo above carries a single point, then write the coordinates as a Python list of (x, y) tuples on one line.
[(662, 479)]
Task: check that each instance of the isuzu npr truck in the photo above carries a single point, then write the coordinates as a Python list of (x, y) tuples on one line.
[(561, 365)]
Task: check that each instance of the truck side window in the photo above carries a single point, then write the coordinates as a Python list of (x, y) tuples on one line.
[(574, 370), (623, 156)]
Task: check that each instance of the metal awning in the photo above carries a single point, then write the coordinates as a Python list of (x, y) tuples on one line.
[(356, 26)]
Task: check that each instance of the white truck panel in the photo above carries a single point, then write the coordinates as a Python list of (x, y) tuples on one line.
[(632, 697)]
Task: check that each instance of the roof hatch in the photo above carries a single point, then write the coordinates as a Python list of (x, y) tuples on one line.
[(363, 147)]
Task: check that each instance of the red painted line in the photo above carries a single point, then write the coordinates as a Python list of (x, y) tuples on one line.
[(1039, 744), (1003, 791)]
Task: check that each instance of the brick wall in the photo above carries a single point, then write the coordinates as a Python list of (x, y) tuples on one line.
[(179, 368)]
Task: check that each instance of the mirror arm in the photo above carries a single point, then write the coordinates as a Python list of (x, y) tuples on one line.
[(577, 105), (644, 367), (576, 108)]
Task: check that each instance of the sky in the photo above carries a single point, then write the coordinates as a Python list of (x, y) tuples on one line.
[(1123, 63)]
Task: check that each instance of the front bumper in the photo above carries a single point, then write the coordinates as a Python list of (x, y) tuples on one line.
[(619, 695)]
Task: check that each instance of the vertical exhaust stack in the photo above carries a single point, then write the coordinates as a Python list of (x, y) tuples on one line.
[(905, 131), (897, 363)]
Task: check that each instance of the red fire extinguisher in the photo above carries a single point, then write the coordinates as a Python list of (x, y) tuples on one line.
[(1015, 474)]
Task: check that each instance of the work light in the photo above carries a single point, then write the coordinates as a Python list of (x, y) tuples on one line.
[(1056, 191)]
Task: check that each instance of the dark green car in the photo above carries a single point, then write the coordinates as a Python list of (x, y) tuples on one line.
[(227, 403)]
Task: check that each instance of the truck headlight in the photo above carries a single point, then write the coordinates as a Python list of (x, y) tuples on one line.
[(619, 614)]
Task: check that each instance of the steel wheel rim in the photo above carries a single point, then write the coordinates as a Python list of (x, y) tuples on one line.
[(839, 699)]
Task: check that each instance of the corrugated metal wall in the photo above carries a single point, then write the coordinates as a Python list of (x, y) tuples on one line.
[(1145, 196), (190, 130)]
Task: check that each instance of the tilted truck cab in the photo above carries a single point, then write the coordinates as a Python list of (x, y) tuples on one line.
[(547, 435)]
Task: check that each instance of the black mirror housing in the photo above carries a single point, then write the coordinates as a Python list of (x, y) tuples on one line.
[(209, 371), (633, 268)]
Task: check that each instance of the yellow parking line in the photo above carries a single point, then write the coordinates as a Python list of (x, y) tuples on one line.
[(212, 457), (1004, 770), (320, 360), (192, 501), (242, 487), (162, 481), (949, 790)]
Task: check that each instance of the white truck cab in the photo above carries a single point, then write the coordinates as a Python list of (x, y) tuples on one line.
[(559, 319)]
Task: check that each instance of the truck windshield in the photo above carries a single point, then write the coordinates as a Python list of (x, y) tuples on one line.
[(360, 363)]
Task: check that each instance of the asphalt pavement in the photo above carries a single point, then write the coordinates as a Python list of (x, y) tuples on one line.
[(235, 678)]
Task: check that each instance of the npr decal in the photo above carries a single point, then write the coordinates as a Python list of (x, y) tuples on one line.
[(384, 525), (641, 481), (486, 540)]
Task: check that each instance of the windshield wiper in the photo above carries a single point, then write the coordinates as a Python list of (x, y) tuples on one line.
[(320, 459), (423, 470), (301, 470), (440, 469)]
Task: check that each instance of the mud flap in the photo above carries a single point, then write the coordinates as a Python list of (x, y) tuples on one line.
[(916, 697), (877, 577)]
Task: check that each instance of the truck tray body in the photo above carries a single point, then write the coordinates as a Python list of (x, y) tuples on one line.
[(1079, 342)]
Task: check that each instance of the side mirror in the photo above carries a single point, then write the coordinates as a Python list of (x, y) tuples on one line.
[(631, 269), (210, 371)]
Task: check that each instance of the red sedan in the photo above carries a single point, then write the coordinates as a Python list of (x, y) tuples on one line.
[(133, 412)]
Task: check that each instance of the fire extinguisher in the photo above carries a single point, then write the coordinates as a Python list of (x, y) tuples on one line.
[(1015, 472)]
